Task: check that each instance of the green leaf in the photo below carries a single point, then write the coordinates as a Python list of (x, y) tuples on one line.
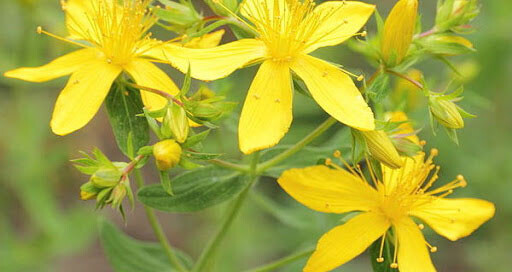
[(196, 139), (126, 254), (195, 190), (123, 104), (201, 156), (379, 88)]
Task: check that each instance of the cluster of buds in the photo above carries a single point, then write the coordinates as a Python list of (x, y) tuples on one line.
[(206, 106), (108, 182), (180, 17), (455, 15)]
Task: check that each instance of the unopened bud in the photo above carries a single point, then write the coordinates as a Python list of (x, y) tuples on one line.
[(105, 177), (398, 31), (446, 113), (179, 123), (167, 154), (118, 194), (87, 195), (382, 149)]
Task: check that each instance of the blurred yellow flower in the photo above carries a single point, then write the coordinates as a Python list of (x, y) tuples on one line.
[(390, 204), (287, 31), (398, 31), (115, 39)]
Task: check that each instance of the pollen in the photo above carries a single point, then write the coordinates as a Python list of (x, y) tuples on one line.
[(288, 27), (119, 30)]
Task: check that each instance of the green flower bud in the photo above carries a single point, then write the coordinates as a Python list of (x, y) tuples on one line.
[(446, 113), (118, 195), (105, 177), (179, 123), (167, 154), (382, 149)]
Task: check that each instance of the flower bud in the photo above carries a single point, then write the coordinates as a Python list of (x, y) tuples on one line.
[(167, 154), (446, 113), (382, 149), (105, 177), (179, 123), (118, 194), (398, 31)]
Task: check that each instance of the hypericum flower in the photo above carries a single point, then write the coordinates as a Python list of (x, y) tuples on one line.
[(398, 31), (389, 204), (287, 31), (115, 39)]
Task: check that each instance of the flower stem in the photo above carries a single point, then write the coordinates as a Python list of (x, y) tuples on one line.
[(231, 214), (283, 261), (157, 228), (298, 146), (406, 77), (229, 165), (156, 91)]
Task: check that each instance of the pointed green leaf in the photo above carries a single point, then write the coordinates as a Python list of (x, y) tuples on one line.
[(126, 254), (123, 104), (194, 190)]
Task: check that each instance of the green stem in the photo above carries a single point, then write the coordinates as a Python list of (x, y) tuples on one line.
[(230, 216), (283, 261), (406, 77), (298, 146), (157, 228), (229, 165)]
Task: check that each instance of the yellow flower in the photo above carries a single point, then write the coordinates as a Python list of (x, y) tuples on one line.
[(398, 31), (115, 39), (390, 204), (287, 31)]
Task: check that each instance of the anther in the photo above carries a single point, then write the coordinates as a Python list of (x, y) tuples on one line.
[(364, 33), (433, 249), (393, 265), (460, 177), (423, 142), (434, 152), (328, 161), (380, 260), (337, 154), (360, 78), (421, 226), (39, 30)]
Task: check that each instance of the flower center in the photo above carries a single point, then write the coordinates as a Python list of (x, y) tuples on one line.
[(286, 27), (118, 30)]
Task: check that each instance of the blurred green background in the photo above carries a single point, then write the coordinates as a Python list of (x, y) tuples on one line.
[(44, 227)]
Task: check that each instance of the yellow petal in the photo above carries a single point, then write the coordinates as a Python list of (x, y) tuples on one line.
[(82, 96), (345, 242), (147, 74), (264, 10), (78, 18), (267, 112), (340, 20), (212, 63), (206, 41), (455, 218), (335, 92), (61, 66), (413, 255), (326, 190)]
